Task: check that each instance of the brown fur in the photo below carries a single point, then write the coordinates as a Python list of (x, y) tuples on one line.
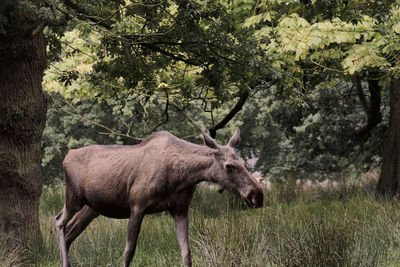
[(159, 174)]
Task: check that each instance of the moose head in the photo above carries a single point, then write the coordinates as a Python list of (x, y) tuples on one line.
[(229, 171)]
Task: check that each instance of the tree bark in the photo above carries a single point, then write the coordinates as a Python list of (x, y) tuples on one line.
[(389, 179), (22, 120)]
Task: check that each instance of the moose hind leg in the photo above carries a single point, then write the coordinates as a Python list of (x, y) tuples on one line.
[(80, 221), (61, 221)]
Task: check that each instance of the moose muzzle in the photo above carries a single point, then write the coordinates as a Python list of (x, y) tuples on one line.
[(254, 198)]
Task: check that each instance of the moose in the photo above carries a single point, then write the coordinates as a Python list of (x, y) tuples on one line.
[(158, 174)]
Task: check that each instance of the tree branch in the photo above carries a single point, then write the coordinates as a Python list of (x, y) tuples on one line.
[(238, 107), (361, 95), (373, 109), (166, 53), (150, 46), (164, 113), (84, 13), (195, 125)]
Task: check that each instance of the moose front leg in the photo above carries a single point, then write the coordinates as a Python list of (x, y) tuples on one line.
[(182, 234), (135, 221)]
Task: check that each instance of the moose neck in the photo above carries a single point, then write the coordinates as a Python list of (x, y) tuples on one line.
[(193, 165)]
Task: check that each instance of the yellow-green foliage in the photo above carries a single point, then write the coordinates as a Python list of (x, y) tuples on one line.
[(357, 45), (77, 57)]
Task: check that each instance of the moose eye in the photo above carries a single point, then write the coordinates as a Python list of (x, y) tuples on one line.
[(228, 167)]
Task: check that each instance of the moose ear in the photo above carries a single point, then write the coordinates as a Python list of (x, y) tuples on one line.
[(208, 140), (235, 139)]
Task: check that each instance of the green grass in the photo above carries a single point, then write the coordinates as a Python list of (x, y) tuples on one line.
[(344, 226)]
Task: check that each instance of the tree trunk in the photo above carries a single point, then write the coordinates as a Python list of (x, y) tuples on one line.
[(22, 120), (390, 173)]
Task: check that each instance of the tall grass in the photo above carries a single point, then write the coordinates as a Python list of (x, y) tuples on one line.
[(342, 226)]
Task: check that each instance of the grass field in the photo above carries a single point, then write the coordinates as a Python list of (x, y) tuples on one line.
[(342, 226)]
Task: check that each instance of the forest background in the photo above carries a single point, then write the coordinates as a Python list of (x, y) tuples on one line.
[(308, 88)]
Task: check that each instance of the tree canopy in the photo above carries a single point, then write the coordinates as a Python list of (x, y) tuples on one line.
[(316, 82), (312, 78)]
